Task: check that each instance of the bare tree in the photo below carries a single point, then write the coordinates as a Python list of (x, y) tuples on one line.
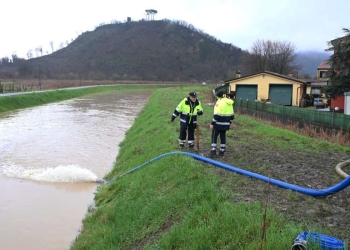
[(37, 52), (30, 54), (14, 57), (274, 56), (51, 44)]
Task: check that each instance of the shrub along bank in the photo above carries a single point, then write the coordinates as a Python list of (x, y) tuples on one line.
[(176, 202), (26, 100)]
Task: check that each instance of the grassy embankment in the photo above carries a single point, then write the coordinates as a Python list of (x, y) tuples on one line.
[(9, 103), (176, 202)]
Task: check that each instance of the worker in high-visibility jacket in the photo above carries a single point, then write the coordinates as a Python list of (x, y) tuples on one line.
[(222, 119), (188, 110)]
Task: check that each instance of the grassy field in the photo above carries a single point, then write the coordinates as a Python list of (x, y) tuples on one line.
[(175, 201)]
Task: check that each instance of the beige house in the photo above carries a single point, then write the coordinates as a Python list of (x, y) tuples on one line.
[(263, 86)]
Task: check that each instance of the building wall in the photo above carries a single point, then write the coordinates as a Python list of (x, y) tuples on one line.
[(263, 81), (347, 103), (338, 102), (322, 74)]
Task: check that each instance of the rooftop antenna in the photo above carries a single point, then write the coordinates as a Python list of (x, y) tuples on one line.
[(150, 14)]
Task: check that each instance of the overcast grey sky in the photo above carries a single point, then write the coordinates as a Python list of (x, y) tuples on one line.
[(308, 24)]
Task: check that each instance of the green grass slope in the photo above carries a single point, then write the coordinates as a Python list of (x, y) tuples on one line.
[(175, 202)]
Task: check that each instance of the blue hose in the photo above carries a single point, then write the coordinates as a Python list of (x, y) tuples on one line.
[(325, 242), (313, 192)]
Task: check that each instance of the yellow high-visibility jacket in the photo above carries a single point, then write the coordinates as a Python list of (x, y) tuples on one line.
[(223, 114), (188, 112)]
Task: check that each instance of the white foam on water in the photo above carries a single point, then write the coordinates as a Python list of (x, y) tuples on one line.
[(68, 173)]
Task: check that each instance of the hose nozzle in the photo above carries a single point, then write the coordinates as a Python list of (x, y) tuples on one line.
[(299, 244), (100, 181)]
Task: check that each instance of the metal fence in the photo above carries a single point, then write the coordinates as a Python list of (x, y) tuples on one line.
[(330, 118)]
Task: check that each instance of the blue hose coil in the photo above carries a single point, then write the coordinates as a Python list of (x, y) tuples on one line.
[(326, 242)]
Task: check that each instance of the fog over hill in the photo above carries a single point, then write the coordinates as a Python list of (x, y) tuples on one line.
[(310, 60)]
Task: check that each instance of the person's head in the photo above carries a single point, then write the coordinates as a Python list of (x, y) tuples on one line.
[(192, 96), (220, 94)]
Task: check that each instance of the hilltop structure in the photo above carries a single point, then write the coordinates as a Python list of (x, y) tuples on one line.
[(150, 14)]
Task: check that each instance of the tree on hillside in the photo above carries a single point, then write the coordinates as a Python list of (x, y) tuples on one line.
[(37, 50), (51, 45), (14, 57), (339, 79), (30, 54), (274, 56)]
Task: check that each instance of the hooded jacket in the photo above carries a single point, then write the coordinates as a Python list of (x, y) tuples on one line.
[(223, 114)]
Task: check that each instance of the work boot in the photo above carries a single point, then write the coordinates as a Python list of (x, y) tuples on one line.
[(181, 145), (212, 152), (191, 145), (221, 153)]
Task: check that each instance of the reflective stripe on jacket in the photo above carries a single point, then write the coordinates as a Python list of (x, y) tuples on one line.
[(223, 114), (188, 111)]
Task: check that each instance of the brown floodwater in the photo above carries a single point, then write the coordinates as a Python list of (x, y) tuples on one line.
[(50, 159)]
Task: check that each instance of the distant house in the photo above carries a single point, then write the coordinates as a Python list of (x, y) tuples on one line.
[(323, 70), (266, 85), (316, 88)]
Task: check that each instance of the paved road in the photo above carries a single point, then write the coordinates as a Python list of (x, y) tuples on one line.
[(22, 93), (31, 92)]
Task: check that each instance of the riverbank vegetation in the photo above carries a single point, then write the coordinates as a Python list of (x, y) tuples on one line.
[(31, 99), (176, 202)]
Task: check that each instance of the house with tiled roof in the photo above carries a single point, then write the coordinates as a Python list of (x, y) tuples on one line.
[(323, 70)]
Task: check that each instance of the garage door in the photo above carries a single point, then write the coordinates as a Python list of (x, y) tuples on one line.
[(246, 92), (281, 94)]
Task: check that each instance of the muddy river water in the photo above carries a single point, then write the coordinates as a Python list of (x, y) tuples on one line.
[(50, 158)]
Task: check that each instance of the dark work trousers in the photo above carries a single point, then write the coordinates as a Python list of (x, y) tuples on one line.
[(214, 139), (186, 131)]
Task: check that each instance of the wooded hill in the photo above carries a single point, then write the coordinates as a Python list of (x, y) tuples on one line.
[(145, 50)]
